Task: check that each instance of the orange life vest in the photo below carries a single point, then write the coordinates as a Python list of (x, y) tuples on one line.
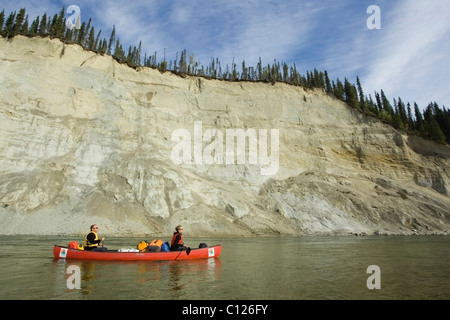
[(156, 242), (180, 241)]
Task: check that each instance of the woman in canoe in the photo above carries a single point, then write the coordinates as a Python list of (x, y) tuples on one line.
[(177, 243)]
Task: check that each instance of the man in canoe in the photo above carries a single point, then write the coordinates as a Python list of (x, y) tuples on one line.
[(177, 243), (92, 240)]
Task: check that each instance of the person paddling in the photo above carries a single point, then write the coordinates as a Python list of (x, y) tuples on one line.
[(177, 243), (92, 240)]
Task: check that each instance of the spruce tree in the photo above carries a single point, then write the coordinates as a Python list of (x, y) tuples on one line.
[(43, 25), (386, 104), (91, 39), (295, 77), (24, 28), (119, 54), (350, 94), (244, 75), (9, 24), (434, 132), (420, 124), (378, 100), (316, 83), (410, 122), (339, 90), (112, 39), (52, 25), (328, 87), (259, 69), (17, 24), (234, 74), (285, 72), (81, 34), (129, 56), (137, 55), (402, 112), (34, 28), (58, 26), (443, 119), (396, 119), (97, 40), (103, 46), (362, 99), (309, 80), (372, 106), (85, 43), (2, 20), (446, 124)]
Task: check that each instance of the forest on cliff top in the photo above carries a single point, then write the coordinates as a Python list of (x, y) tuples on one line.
[(430, 122)]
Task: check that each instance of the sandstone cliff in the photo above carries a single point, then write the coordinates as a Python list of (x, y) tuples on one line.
[(84, 139)]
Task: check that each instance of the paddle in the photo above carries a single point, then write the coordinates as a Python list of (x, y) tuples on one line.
[(188, 250)]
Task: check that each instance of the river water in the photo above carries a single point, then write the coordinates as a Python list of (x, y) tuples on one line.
[(281, 268)]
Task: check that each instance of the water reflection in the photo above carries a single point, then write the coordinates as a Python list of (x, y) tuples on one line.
[(87, 274), (175, 271), (153, 279), (179, 271)]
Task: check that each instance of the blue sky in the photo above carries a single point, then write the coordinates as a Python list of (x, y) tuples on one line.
[(407, 57)]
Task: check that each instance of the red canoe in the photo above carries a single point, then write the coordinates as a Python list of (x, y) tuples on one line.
[(63, 252)]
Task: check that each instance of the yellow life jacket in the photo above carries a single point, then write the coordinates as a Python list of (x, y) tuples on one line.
[(87, 243), (142, 246)]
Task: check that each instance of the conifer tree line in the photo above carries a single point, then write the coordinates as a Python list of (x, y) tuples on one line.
[(432, 123)]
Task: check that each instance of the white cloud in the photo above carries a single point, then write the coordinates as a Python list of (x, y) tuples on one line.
[(244, 30), (411, 58)]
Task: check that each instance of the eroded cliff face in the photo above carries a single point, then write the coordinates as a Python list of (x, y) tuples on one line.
[(84, 139)]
